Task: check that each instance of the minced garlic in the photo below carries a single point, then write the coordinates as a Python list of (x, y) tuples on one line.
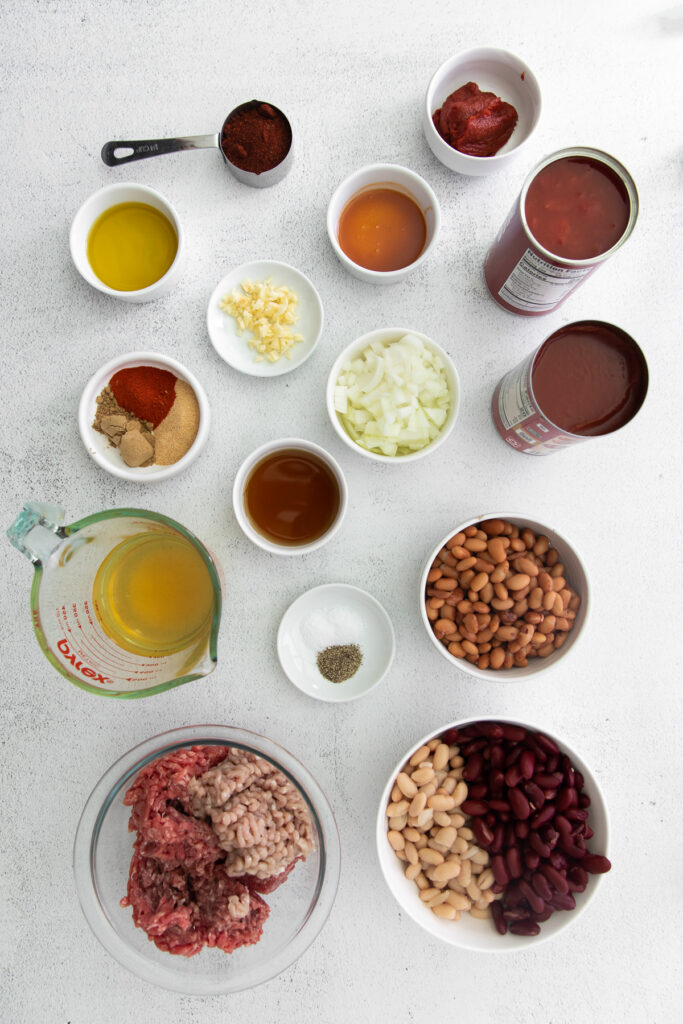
[(268, 313)]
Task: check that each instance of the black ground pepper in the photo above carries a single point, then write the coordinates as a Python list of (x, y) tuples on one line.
[(340, 662)]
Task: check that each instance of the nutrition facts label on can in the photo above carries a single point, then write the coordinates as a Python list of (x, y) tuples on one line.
[(514, 400), (538, 286)]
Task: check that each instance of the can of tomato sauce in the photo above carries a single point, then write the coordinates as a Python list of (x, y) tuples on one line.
[(577, 207), (587, 379)]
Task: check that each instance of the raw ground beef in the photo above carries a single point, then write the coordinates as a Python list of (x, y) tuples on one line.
[(182, 891)]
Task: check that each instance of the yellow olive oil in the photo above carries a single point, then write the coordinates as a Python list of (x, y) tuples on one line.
[(131, 246), (153, 594)]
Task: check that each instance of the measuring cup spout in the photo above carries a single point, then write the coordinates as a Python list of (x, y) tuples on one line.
[(37, 531)]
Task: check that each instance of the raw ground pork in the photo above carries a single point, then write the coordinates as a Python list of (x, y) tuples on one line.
[(182, 885)]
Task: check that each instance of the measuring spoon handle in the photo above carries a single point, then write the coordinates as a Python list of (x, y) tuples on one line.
[(145, 148)]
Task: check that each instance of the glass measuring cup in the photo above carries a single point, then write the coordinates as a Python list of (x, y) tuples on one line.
[(123, 560), (113, 156)]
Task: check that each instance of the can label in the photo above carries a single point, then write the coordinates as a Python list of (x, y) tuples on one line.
[(538, 286), (518, 418)]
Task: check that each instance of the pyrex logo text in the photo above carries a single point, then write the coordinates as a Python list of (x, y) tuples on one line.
[(89, 673)]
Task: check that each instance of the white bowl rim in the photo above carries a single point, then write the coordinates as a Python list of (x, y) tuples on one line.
[(510, 675), (385, 618), (380, 168), (283, 365), (509, 943), (95, 281), (366, 339), (95, 385), (468, 158), (252, 459)]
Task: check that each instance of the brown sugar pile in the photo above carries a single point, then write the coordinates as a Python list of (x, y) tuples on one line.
[(176, 433)]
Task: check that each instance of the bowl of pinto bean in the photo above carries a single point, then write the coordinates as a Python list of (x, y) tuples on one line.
[(492, 834), (504, 597)]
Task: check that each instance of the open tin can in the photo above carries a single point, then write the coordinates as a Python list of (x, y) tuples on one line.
[(526, 277)]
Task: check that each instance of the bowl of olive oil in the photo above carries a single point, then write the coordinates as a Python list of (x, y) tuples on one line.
[(126, 240)]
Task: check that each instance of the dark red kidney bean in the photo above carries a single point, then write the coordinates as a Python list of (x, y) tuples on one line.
[(550, 794), (536, 903), (549, 836), (576, 814), (477, 791), (472, 747), (588, 832), (497, 888), (578, 780), (558, 860), (494, 730), (540, 918), (542, 886), (568, 771), (557, 880), (474, 807), (510, 835), (550, 746), (473, 767), (491, 819), (563, 901), (516, 913), (498, 917), (513, 776), (539, 846), (519, 804), (546, 814), (531, 859), (483, 833), (500, 872), (513, 897), (499, 805), (535, 794), (538, 751), (552, 763), (513, 756), (498, 838), (573, 851), (584, 800), (567, 797), (547, 780), (513, 862), (563, 825), (496, 782), (524, 928), (514, 733), (527, 764), (497, 756), (577, 879), (522, 829), (451, 736), (595, 864)]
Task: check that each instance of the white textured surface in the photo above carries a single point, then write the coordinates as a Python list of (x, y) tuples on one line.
[(351, 78)]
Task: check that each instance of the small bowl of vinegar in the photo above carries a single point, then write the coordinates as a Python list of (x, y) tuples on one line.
[(126, 240)]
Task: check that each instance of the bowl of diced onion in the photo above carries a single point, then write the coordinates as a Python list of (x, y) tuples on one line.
[(393, 395)]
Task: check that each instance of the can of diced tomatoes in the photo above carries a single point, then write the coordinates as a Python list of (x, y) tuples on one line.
[(587, 379), (576, 208)]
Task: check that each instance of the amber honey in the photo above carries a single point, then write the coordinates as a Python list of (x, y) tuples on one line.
[(291, 497), (382, 229)]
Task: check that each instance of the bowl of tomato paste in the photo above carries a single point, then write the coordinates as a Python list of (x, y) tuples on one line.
[(481, 107), (206, 860)]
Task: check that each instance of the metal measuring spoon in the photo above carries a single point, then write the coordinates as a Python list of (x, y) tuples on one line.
[(146, 148)]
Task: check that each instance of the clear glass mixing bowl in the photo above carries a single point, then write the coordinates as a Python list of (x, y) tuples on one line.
[(103, 849)]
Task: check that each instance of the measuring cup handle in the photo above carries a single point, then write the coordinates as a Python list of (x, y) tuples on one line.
[(37, 530), (143, 149)]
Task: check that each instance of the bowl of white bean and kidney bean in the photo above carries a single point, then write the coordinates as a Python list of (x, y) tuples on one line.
[(492, 834), (504, 597)]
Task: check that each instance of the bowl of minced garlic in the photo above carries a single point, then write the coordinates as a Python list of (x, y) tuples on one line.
[(264, 318), (143, 416)]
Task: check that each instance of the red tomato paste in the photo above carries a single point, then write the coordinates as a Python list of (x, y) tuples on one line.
[(589, 379), (577, 208), (474, 122)]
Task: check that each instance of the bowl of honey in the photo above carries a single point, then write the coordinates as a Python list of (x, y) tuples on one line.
[(382, 222), (289, 496), (126, 240)]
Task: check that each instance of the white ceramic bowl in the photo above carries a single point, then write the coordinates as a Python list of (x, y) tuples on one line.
[(576, 577), (386, 334), (330, 615), (495, 71), (234, 347), (93, 207), (388, 176), (241, 480), (471, 933), (106, 455)]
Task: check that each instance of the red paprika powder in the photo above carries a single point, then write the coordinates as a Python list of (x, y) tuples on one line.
[(256, 137), (146, 391)]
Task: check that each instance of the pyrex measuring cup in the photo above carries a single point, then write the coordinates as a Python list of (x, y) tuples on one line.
[(125, 603), (116, 153)]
